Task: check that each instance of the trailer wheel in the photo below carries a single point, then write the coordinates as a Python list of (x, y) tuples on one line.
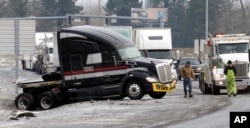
[(134, 90), (25, 101), (47, 100), (157, 95)]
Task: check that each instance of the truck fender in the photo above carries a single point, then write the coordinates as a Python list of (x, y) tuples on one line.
[(137, 75)]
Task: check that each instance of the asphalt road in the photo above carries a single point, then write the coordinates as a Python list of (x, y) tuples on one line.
[(147, 112), (220, 118)]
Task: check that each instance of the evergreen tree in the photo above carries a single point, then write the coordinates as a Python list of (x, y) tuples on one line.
[(3, 8), (176, 20), (195, 19), (56, 8), (18, 8), (121, 8)]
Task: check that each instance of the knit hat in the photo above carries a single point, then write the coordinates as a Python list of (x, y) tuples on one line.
[(188, 62), (229, 62)]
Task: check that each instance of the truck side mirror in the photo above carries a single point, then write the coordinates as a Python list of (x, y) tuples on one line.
[(248, 54)]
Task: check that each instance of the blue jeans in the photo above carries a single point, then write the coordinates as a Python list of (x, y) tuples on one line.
[(187, 82)]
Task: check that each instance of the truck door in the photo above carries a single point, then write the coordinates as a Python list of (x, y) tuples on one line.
[(76, 66), (112, 64)]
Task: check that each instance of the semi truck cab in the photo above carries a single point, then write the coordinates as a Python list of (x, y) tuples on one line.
[(96, 63)]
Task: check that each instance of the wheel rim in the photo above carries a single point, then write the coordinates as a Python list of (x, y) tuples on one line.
[(134, 90), (45, 102), (23, 102)]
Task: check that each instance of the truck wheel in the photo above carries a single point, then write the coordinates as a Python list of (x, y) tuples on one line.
[(25, 101), (134, 90), (23, 64), (179, 77), (33, 67), (200, 83), (248, 89), (215, 90), (47, 100), (157, 95), (202, 86)]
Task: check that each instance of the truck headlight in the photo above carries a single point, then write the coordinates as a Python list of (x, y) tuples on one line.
[(151, 79), (174, 75), (219, 75), (199, 69)]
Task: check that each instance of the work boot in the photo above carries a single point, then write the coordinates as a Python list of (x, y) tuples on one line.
[(185, 96), (235, 95), (229, 95), (190, 95)]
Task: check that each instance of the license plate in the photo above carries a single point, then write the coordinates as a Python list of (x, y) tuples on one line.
[(158, 87)]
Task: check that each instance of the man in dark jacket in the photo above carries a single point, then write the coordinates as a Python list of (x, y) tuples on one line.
[(230, 72)]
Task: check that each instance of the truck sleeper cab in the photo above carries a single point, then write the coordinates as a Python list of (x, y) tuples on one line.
[(97, 63)]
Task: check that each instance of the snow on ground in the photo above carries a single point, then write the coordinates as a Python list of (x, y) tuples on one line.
[(125, 113)]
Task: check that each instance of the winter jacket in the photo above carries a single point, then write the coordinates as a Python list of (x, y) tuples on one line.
[(187, 72)]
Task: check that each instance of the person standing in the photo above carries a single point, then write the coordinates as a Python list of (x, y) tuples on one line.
[(230, 72), (187, 74)]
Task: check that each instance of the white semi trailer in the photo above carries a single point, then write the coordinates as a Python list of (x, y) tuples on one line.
[(155, 43)]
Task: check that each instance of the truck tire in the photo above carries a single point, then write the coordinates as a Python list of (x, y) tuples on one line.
[(179, 78), (25, 101), (23, 64), (157, 95), (203, 86), (134, 90), (248, 89), (215, 90), (47, 100)]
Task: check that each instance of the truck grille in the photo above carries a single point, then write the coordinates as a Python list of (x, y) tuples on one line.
[(164, 72), (242, 70)]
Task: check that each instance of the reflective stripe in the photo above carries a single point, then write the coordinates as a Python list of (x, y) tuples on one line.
[(101, 74)]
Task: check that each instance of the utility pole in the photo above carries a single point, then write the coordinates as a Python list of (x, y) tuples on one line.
[(206, 33)]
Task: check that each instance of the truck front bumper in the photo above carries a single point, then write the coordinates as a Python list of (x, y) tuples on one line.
[(159, 87), (242, 82), (239, 82)]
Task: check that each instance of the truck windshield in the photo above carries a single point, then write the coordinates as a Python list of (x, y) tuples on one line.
[(233, 48), (129, 52), (159, 54), (193, 61)]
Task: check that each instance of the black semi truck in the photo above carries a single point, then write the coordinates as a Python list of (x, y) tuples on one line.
[(96, 63)]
